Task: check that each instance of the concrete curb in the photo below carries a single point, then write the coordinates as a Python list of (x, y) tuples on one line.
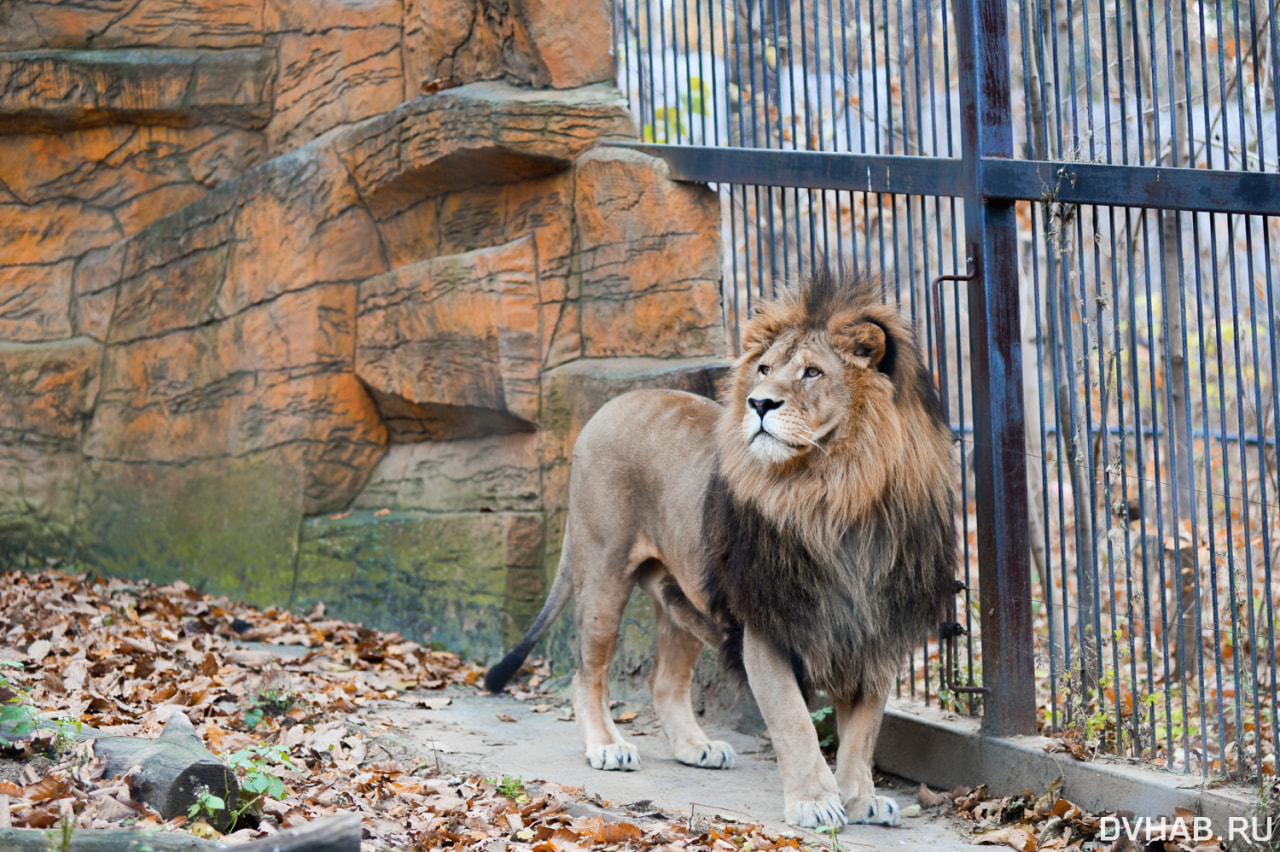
[(945, 751)]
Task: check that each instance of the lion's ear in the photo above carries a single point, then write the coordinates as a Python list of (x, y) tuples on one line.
[(864, 343)]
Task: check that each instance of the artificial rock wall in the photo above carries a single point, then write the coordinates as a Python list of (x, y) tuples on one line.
[(307, 300)]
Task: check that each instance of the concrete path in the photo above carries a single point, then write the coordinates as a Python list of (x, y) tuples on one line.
[(468, 735)]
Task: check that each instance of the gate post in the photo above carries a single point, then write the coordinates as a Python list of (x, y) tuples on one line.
[(986, 122)]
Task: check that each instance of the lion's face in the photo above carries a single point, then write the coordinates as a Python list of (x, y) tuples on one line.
[(800, 387), (796, 398)]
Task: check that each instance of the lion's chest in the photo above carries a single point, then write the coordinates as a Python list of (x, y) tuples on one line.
[(847, 621)]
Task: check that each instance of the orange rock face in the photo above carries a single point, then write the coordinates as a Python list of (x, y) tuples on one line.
[(456, 339), (254, 278), (558, 43), (47, 394), (650, 259)]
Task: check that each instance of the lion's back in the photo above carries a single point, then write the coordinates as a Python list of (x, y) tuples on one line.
[(641, 466), (642, 426)]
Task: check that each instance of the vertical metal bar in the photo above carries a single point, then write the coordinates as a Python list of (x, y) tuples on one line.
[(835, 127), (667, 87), (1174, 288), (652, 114), (675, 71), (1054, 631), (1258, 401), (1274, 337), (955, 265), (995, 332)]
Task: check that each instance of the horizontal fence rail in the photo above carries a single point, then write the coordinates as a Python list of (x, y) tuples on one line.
[(1154, 187)]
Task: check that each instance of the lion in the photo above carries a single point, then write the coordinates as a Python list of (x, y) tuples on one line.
[(804, 528)]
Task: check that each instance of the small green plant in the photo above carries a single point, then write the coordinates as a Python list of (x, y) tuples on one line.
[(17, 717), (66, 826), (267, 702), (67, 735), (832, 832), (824, 721), (206, 804), (512, 788), (253, 764)]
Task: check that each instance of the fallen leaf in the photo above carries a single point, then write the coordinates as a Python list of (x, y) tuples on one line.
[(37, 817), (38, 650), (930, 799), (51, 786), (433, 703), (618, 832), (1018, 838), (504, 717), (439, 84)]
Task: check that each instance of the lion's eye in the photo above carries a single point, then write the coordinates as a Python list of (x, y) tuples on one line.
[(764, 369), (812, 372)]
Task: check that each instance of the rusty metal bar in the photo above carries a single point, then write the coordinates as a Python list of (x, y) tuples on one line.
[(1064, 182), (896, 174), (986, 120)]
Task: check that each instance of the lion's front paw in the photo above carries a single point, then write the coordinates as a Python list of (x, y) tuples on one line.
[(874, 810), (715, 754), (614, 756), (816, 813)]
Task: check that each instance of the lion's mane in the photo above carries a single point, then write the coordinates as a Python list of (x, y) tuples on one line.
[(842, 559)]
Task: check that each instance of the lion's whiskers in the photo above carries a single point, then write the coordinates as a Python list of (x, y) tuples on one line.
[(813, 442)]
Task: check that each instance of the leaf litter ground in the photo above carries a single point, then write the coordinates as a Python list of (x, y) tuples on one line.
[(299, 704)]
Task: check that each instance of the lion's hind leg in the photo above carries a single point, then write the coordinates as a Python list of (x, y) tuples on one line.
[(599, 617), (676, 656), (859, 726)]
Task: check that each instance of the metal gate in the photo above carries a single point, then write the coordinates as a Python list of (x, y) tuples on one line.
[(1078, 202)]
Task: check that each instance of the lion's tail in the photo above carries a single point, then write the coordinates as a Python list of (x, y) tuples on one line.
[(561, 591)]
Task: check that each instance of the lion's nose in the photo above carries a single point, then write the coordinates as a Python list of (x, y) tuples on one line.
[(764, 406)]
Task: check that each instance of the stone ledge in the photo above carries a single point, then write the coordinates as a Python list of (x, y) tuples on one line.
[(944, 751), (478, 134), (56, 89)]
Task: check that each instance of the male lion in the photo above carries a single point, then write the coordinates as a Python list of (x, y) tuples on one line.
[(805, 529)]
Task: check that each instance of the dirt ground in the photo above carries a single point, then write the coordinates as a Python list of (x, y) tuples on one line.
[(472, 734)]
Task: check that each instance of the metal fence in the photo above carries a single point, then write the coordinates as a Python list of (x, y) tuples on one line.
[(1078, 202)]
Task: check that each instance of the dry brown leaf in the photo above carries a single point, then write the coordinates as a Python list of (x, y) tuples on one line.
[(930, 799), (1018, 838), (618, 832), (37, 817), (38, 650), (504, 717), (51, 786)]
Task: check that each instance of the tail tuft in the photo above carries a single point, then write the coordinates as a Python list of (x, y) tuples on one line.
[(499, 675), (561, 591)]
